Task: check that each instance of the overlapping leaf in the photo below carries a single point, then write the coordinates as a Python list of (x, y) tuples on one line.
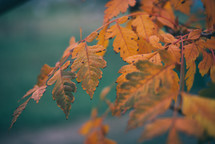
[(146, 80), (63, 89), (102, 40), (114, 7), (182, 5), (174, 125), (144, 26), (191, 52), (200, 109), (95, 131), (36, 92), (88, 64), (206, 63), (125, 41), (210, 11)]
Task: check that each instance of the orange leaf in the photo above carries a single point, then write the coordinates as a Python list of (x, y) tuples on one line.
[(144, 26), (210, 11), (114, 7), (125, 41), (182, 5), (195, 34), (206, 63), (91, 37), (102, 41)]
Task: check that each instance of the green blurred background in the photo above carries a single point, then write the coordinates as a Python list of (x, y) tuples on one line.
[(35, 33)]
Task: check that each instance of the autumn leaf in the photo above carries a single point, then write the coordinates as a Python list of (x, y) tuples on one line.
[(190, 75), (153, 57), (195, 34), (69, 49), (38, 93), (95, 131), (144, 26), (201, 109), (210, 43), (88, 64), (114, 7), (149, 107), (155, 42), (102, 41), (186, 125), (210, 11), (182, 5), (191, 52), (206, 63), (92, 36), (18, 111), (62, 91), (125, 41), (146, 79), (43, 77)]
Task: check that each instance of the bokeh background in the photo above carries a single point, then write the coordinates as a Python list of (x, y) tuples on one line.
[(37, 32)]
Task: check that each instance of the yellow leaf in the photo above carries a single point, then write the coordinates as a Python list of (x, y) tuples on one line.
[(190, 75), (182, 5), (125, 41), (88, 64), (102, 41), (206, 63), (195, 34), (91, 37), (175, 52), (122, 19), (144, 46), (148, 108), (154, 40), (156, 128), (114, 7), (144, 26), (146, 80), (201, 109), (168, 38), (43, 77), (86, 128), (152, 57)]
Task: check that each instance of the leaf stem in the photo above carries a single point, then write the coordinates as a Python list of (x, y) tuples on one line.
[(182, 67)]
